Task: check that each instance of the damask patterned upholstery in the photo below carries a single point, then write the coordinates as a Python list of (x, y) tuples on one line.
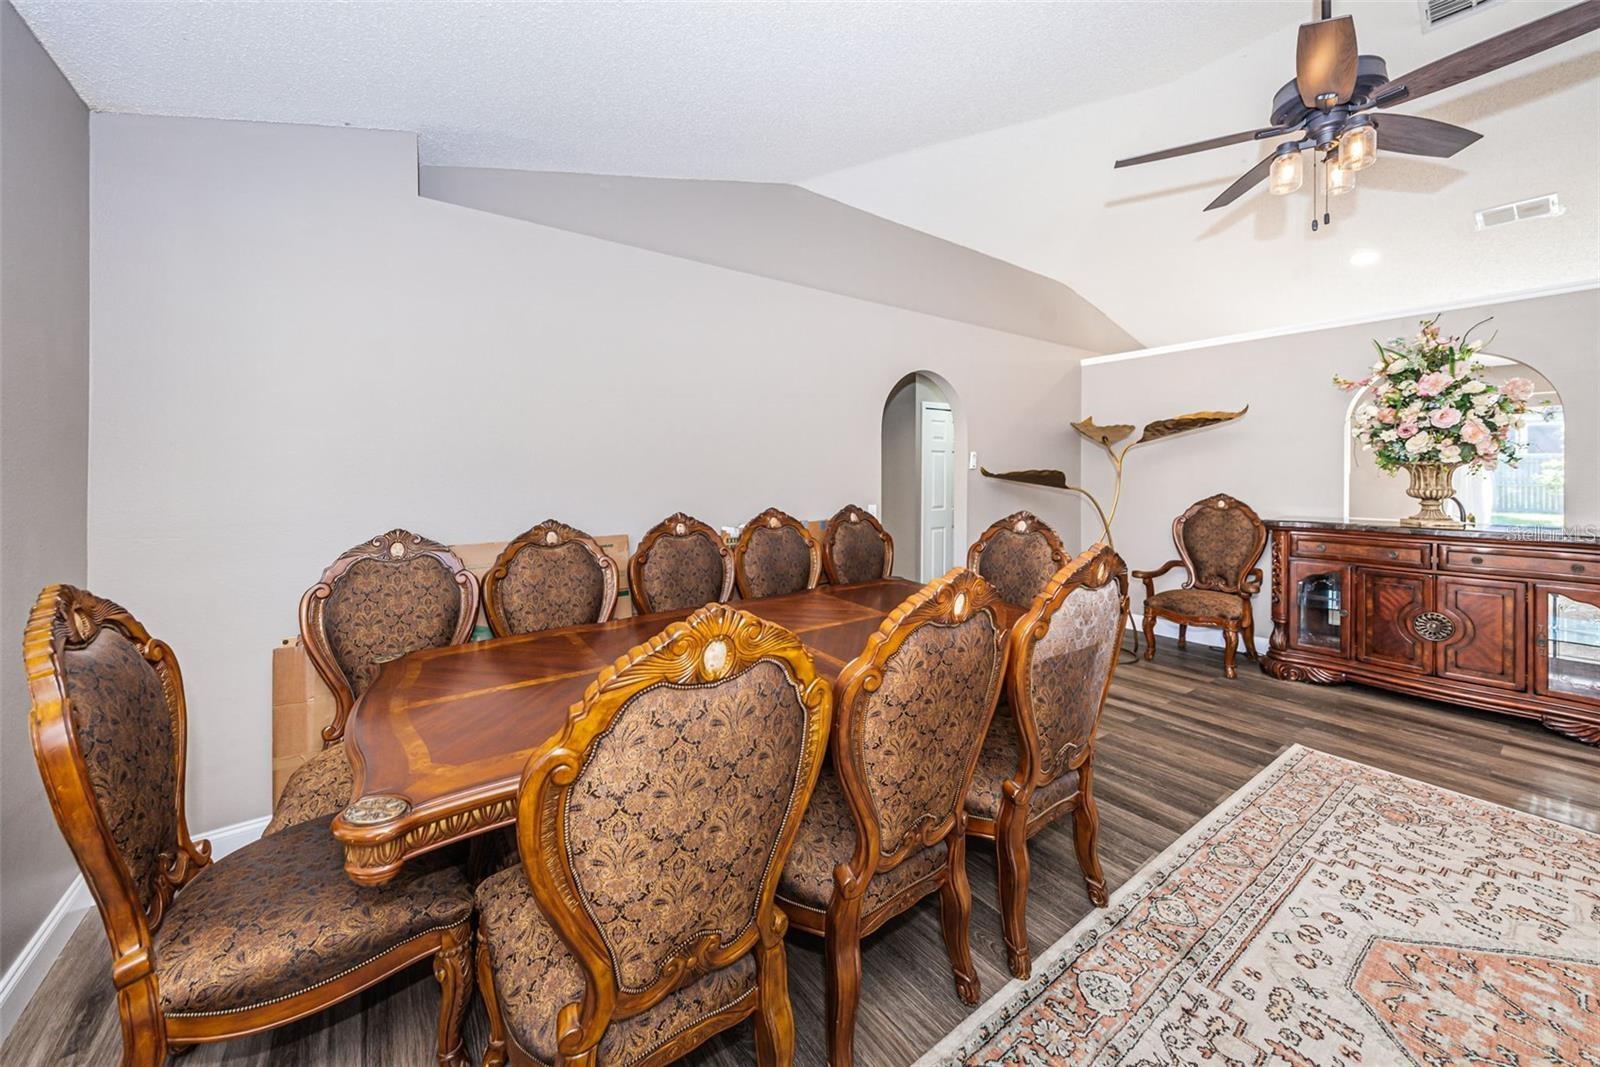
[(281, 916), (857, 550), (999, 764), (1018, 564), (320, 786), (1067, 677), (1223, 543), (535, 974), (1198, 602), (124, 728), (778, 561), (546, 587), (923, 724), (380, 610), (674, 818), (682, 572), (826, 839)]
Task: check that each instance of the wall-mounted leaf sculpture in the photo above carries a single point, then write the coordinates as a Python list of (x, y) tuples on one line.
[(1104, 436), (1052, 479), (1197, 420)]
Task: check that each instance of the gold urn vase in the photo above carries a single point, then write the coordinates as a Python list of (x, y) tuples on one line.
[(1431, 485)]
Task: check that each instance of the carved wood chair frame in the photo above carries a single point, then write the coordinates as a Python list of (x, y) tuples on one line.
[(675, 526), (391, 547), (1019, 522), (68, 618), (772, 519), (852, 514), (548, 534), (1017, 820), (1245, 584), (949, 600), (714, 644)]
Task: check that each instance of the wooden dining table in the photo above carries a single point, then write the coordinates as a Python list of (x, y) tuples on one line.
[(438, 742)]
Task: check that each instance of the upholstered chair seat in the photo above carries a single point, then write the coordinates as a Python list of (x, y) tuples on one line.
[(319, 787), (776, 555), (535, 972), (1203, 603), (551, 576), (998, 765), (1219, 539), (682, 563), (827, 838), (1017, 555), (281, 916), (855, 547)]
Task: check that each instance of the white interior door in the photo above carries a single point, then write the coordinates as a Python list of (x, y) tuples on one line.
[(938, 438)]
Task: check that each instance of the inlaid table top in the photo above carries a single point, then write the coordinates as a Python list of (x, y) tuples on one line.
[(438, 743)]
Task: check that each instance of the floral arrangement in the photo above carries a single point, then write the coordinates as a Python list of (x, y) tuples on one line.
[(1431, 404)]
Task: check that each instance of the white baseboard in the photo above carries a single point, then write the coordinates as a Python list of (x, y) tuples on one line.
[(1198, 635), (26, 973)]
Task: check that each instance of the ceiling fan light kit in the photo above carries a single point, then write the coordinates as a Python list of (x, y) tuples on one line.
[(1325, 108)]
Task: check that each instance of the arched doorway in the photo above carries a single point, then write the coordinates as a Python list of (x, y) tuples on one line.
[(923, 492)]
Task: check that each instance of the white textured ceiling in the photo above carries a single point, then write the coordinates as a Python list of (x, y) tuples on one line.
[(753, 91)]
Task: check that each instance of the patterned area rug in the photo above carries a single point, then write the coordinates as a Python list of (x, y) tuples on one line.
[(1327, 914)]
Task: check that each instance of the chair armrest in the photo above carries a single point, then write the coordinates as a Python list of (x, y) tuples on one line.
[(1252, 582), (1149, 577)]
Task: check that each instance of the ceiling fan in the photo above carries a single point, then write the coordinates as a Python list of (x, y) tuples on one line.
[(1326, 108)]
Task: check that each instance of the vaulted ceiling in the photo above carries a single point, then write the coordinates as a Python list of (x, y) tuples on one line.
[(992, 126)]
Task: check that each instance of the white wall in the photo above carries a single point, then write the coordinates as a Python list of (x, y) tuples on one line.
[(44, 432), (292, 351), (1286, 457)]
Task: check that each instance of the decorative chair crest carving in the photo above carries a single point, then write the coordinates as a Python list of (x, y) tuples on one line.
[(1017, 555), (850, 543), (769, 568), (518, 603), (664, 574)]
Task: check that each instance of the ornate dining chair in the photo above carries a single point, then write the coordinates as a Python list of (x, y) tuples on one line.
[(397, 593), (551, 576), (1219, 541), (887, 824), (681, 563), (1038, 760), (1018, 555), (651, 832), (200, 950), (856, 547), (775, 555)]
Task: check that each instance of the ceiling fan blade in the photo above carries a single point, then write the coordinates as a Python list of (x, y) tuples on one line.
[(1239, 188), (1325, 60), (1204, 146), (1492, 54), (1417, 136)]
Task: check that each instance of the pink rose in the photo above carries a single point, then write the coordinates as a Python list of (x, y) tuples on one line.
[(1388, 416), (1474, 432), (1407, 428), (1445, 418), (1433, 383), (1519, 389), (1488, 449)]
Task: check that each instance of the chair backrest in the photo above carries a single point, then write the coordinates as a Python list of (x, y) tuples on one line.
[(108, 726), (551, 576), (1063, 656), (397, 593), (1017, 555), (775, 555), (1220, 539), (681, 563), (653, 828), (856, 547), (911, 714)]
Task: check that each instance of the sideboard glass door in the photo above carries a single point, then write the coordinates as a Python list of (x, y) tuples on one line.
[(1568, 641), (1318, 606)]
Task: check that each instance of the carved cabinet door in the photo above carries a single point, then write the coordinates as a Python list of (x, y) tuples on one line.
[(1394, 612), (1567, 641), (1489, 642)]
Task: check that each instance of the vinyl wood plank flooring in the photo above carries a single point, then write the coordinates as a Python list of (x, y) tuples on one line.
[(1176, 739)]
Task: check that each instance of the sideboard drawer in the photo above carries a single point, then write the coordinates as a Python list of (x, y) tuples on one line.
[(1405, 554), (1469, 559)]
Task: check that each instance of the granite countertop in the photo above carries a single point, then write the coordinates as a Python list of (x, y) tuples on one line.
[(1571, 535)]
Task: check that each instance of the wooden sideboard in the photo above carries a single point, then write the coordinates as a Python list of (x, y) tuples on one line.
[(1502, 619)]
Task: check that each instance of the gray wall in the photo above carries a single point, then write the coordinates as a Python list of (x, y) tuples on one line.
[(44, 430), (293, 351), (794, 235)]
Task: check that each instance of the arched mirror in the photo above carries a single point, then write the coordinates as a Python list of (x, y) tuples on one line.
[(1529, 494)]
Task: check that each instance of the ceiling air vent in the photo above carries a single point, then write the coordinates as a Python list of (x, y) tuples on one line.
[(1540, 207), (1437, 11)]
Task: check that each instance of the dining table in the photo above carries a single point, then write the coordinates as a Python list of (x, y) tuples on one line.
[(438, 742)]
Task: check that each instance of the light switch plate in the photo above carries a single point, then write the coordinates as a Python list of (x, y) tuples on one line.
[(972, 461)]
